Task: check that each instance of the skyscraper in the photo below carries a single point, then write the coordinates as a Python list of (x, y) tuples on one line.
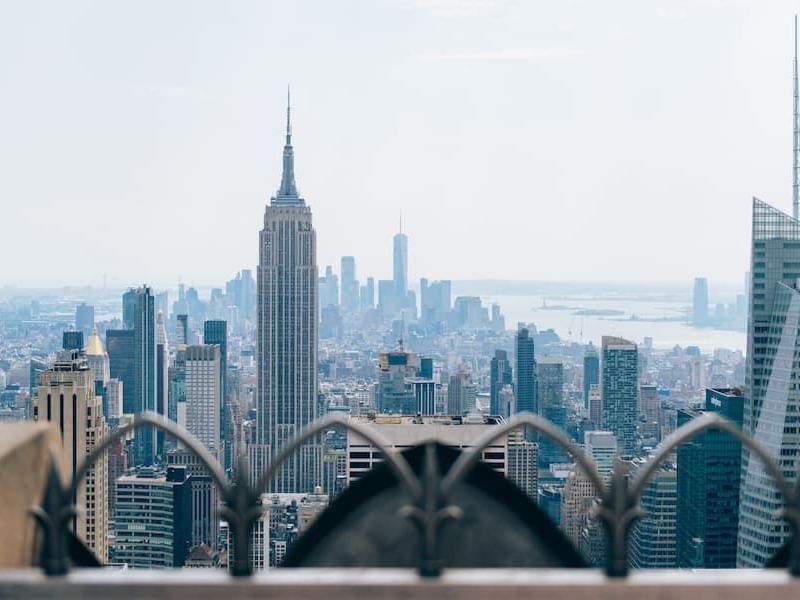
[(162, 379), (591, 372), (525, 373), (84, 318), (202, 395), (216, 332), (772, 395), (700, 302), (500, 375), (350, 300), (550, 398), (66, 396), (122, 364), (141, 303), (709, 474), (620, 387), (652, 541), (400, 268), (287, 332)]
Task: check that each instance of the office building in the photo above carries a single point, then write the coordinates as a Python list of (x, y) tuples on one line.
[(461, 393), (500, 375), (287, 348), (402, 432), (709, 475), (203, 393), (65, 396), (162, 502), (162, 381), (400, 268), (700, 302), (652, 542), (204, 498), (216, 333), (596, 405), (550, 398), (350, 289), (602, 447), (139, 308), (772, 394), (84, 319), (182, 330), (620, 387), (591, 372), (525, 373), (72, 340)]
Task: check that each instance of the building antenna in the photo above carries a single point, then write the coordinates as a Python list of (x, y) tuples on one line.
[(796, 135)]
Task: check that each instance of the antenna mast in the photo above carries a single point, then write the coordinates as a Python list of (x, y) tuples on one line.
[(796, 136)]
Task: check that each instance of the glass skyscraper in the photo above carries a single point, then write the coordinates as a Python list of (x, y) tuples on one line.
[(772, 394), (709, 472), (500, 375), (525, 373)]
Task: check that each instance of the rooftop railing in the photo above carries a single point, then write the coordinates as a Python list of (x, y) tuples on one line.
[(430, 500)]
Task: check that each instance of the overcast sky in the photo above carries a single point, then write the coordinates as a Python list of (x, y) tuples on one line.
[(546, 140)]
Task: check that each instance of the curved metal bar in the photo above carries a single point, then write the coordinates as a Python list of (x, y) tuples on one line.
[(400, 468), (145, 419), (468, 460), (691, 430)]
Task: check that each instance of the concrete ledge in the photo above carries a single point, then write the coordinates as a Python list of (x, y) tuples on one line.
[(380, 584)]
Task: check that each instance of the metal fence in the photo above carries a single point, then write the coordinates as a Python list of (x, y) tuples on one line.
[(430, 496)]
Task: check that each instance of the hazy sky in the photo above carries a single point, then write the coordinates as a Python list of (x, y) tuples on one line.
[(547, 140)]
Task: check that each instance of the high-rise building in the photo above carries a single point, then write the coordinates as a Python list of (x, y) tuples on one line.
[(550, 398), (700, 302), (203, 393), (368, 294), (772, 394), (576, 503), (596, 405), (591, 372), (602, 447), (287, 333), (66, 396), (461, 393), (140, 303), (120, 344), (152, 527), (72, 340), (396, 393), (203, 514), (84, 319), (386, 297), (620, 388), (525, 373), (400, 268), (216, 332), (162, 380), (500, 375), (350, 299), (182, 330), (709, 473), (652, 540)]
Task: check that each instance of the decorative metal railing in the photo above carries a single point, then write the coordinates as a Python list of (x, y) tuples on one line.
[(430, 497)]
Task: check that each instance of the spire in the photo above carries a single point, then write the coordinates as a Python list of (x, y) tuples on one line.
[(95, 345), (796, 135), (288, 116), (288, 189)]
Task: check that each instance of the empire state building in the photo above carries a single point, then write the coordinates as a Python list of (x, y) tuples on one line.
[(287, 332)]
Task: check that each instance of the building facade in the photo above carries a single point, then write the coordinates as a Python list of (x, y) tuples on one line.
[(620, 387), (287, 337)]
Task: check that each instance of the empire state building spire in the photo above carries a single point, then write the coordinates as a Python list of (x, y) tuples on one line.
[(288, 190)]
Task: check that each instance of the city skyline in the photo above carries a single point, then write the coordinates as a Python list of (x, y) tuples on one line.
[(195, 153)]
